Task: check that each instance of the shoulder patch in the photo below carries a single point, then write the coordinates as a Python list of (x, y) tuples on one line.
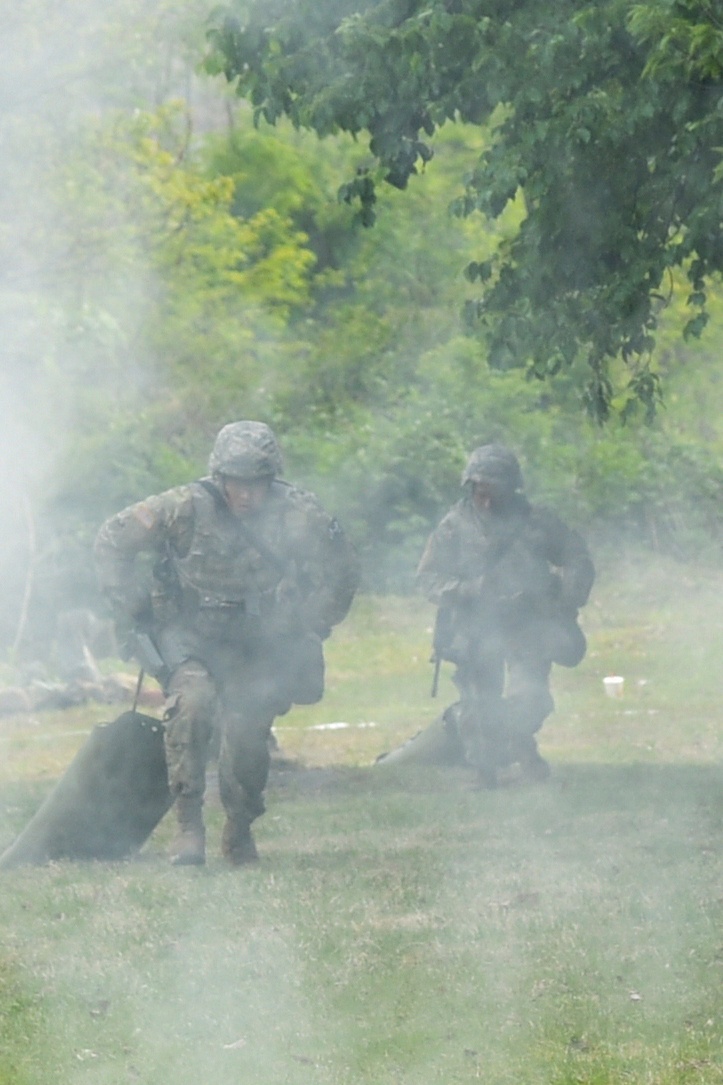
[(144, 514)]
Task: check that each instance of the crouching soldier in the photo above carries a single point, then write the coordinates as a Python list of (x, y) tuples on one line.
[(508, 578), (249, 575)]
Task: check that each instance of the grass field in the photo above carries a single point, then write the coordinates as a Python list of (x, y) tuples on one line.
[(402, 927)]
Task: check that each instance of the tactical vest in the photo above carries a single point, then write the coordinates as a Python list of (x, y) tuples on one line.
[(222, 568), (512, 550)]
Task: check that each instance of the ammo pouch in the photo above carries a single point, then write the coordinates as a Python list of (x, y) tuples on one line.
[(547, 626), (565, 639), (217, 619), (222, 624)]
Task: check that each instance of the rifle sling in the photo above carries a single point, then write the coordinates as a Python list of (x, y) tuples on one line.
[(244, 531)]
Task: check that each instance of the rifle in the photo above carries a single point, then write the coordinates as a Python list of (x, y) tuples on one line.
[(441, 642), (436, 659)]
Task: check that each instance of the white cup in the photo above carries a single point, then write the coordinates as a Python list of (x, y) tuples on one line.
[(614, 685)]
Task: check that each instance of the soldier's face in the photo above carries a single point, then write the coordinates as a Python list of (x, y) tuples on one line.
[(485, 495), (245, 496)]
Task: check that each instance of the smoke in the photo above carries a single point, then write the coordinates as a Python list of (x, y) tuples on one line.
[(76, 284)]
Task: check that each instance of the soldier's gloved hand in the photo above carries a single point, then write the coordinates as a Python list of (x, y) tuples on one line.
[(469, 590), (131, 609)]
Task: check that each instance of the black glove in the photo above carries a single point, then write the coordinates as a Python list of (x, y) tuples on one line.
[(132, 611)]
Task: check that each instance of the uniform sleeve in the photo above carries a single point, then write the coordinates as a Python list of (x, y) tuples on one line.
[(438, 573), (328, 569), (568, 552), (143, 527)]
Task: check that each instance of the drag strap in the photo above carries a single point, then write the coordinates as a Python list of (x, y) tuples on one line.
[(246, 533)]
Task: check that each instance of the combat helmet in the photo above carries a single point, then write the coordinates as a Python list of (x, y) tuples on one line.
[(495, 464), (247, 450)]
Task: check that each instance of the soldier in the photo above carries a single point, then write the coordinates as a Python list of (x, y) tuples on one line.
[(249, 576), (508, 578)]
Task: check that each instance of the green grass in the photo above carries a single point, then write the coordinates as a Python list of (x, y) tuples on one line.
[(402, 927)]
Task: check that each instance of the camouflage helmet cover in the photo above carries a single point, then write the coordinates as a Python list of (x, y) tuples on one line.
[(247, 450), (495, 464)]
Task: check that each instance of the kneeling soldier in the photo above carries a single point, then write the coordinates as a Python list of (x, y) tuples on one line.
[(508, 578)]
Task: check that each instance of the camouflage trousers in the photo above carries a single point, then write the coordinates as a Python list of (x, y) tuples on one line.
[(233, 710), (504, 700)]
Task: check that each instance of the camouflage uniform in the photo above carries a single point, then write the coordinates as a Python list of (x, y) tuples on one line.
[(238, 608), (508, 580)]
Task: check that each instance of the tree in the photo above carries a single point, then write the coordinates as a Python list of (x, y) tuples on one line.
[(605, 118)]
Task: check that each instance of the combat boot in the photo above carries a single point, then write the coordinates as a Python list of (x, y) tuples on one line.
[(535, 769), (485, 778), (237, 843), (189, 846)]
